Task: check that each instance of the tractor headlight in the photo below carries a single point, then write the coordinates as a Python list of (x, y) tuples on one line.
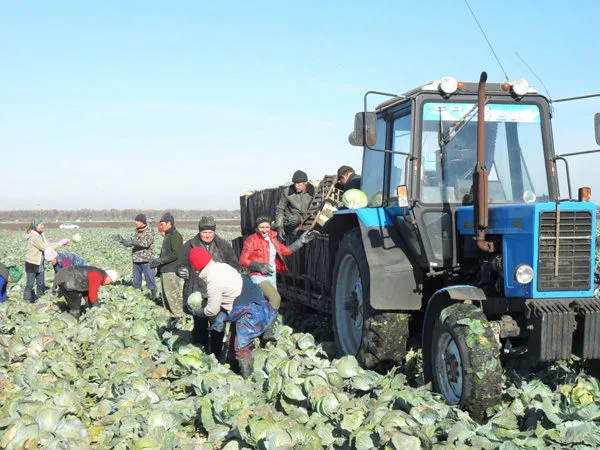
[(524, 273), (520, 87), (448, 85)]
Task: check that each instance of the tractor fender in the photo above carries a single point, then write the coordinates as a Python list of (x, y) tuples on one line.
[(395, 281), (440, 300)]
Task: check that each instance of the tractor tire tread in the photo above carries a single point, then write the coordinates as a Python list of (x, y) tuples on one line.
[(385, 334), (482, 370)]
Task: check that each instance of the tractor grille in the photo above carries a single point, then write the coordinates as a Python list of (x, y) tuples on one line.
[(574, 267)]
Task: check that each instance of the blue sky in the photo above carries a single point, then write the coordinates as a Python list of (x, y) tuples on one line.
[(188, 104)]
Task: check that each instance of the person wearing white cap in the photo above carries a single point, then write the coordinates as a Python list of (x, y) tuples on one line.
[(76, 282), (63, 260)]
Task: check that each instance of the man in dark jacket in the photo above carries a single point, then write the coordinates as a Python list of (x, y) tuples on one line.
[(293, 205), (76, 282), (220, 251), (166, 263), (347, 179)]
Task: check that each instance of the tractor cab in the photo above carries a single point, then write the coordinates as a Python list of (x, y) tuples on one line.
[(424, 146)]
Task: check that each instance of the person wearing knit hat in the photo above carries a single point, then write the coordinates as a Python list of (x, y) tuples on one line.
[(293, 205), (8, 274), (221, 251), (61, 260), (299, 177), (167, 217), (207, 223), (142, 252), (34, 259), (166, 265), (232, 297), (347, 179), (77, 282), (199, 258)]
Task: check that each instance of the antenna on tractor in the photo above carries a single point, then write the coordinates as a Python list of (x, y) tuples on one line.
[(487, 40), (535, 75)]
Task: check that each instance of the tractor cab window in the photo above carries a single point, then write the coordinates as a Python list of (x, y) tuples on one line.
[(373, 166), (514, 154), (400, 143)]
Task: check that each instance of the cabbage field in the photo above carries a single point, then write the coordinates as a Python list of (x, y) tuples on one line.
[(125, 376)]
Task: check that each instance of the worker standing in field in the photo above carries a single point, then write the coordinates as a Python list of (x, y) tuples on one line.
[(220, 251), (77, 282), (293, 205), (63, 260), (142, 252), (347, 179), (8, 274), (232, 298), (34, 259), (166, 263), (263, 256)]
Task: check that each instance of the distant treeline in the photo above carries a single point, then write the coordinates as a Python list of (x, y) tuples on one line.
[(52, 215)]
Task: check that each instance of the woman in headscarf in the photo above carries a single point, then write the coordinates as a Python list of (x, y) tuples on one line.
[(34, 259)]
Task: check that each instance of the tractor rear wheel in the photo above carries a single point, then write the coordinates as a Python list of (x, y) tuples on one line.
[(465, 359), (376, 338)]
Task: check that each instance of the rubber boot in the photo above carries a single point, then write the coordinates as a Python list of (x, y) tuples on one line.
[(246, 367), (269, 334)]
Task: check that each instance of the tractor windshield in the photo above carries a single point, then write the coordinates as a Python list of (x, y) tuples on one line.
[(514, 153)]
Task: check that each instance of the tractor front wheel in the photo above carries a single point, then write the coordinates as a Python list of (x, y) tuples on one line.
[(465, 361)]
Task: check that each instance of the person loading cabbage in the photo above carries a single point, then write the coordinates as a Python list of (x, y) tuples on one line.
[(293, 205), (76, 282), (347, 179), (34, 259), (166, 264), (234, 298), (63, 260), (263, 255), (10, 274), (221, 251)]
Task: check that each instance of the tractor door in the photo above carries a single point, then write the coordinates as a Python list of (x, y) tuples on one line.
[(398, 170)]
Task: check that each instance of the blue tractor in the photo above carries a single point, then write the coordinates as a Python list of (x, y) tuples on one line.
[(466, 246)]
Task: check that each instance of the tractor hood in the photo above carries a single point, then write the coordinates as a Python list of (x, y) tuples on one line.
[(528, 236)]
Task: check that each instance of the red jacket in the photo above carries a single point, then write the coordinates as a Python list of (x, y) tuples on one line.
[(256, 249)]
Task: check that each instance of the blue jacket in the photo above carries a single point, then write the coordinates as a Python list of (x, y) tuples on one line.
[(3, 286), (252, 315), (68, 259)]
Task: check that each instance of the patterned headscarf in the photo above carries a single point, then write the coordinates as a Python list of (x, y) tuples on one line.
[(34, 224)]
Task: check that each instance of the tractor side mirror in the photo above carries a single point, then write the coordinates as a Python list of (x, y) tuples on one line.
[(597, 127), (365, 129)]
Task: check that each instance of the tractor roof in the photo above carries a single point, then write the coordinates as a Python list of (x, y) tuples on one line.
[(468, 87)]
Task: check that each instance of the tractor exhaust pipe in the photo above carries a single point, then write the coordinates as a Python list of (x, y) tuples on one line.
[(480, 175)]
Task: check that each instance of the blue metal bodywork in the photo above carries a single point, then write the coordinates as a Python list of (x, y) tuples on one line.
[(518, 225), (370, 217)]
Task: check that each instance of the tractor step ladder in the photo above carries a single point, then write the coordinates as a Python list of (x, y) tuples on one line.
[(326, 201)]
